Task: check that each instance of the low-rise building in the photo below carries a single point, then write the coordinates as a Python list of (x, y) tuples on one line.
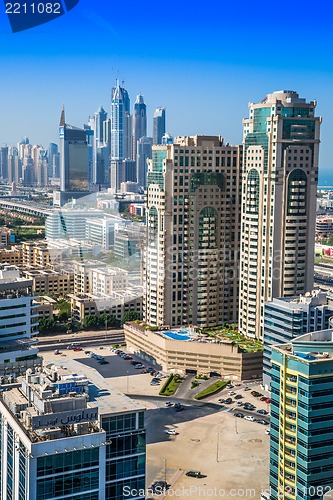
[(66, 435), (116, 303), (12, 256), (56, 282), (184, 351), (45, 307)]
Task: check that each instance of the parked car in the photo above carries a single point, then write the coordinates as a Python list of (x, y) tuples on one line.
[(77, 349), (263, 422), (103, 362), (239, 403), (193, 473), (239, 415), (171, 432), (239, 396), (168, 403), (262, 412), (57, 351), (228, 401), (229, 386), (231, 393), (159, 486), (268, 400), (267, 431), (263, 398), (249, 417), (221, 400), (246, 388)]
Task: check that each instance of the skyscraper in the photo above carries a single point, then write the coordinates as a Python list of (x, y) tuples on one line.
[(301, 417), (144, 152), (193, 219), (139, 123), (121, 133), (4, 162), (158, 125), (280, 175), (73, 157), (53, 161)]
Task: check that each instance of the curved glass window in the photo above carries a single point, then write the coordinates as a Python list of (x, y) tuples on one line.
[(297, 184), (252, 192), (208, 228)]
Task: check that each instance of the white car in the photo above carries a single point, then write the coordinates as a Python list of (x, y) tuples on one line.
[(248, 417), (172, 432), (267, 431), (231, 393)]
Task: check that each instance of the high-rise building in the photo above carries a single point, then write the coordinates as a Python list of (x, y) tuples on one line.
[(280, 176), (73, 157), (4, 162), (289, 317), (101, 150), (121, 133), (193, 219), (53, 161), (139, 123), (14, 166), (18, 323), (158, 125), (301, 418), (144, 152), (64, 435)]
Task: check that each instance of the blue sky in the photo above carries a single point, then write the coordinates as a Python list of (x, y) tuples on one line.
[(203, 62)]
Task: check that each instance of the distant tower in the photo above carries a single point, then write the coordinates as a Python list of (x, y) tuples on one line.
[(159, 126), (121, 135), (120, 113), (144, 152), (4, 162), (73, 157), (139, 123)]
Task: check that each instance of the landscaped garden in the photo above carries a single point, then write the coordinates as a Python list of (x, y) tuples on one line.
[(171, 385), (212, 389), (229, 333)]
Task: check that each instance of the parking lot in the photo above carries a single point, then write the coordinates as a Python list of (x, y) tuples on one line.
[(231, 453)]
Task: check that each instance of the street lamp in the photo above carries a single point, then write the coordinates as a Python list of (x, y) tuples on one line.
[(165, 470), (217, 447)]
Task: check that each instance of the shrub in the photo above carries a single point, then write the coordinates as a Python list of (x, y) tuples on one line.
[(212, 389)]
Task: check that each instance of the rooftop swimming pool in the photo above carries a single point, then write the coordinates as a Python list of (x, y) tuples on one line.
[(177, 334)]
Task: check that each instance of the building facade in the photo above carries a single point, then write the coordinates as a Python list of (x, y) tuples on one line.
[(193, 222), (91, 447), (280, 176), (158, 125), (182, 351), (73, 157), (289, 317), (18, 323), (301, 418)]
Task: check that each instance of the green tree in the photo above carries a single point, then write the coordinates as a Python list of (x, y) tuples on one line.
[(63, 316), (106, 320), (46, 324), (90, 321), (129, 316)]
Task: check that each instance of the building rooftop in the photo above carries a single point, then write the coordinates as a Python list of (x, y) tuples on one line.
[(314, 346), (55, 402)]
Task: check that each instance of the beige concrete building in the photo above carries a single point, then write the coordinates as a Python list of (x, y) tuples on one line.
[(12, 256), (193, 217), (95, 277), (45, 307), (195, 355), (279, 183), (44, 281), (117, 303), (36, 254)]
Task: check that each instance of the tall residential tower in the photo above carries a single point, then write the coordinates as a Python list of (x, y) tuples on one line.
[(280, 176), (193, 219)]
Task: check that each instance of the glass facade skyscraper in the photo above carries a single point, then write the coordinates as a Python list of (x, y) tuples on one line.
[(158, 125)]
